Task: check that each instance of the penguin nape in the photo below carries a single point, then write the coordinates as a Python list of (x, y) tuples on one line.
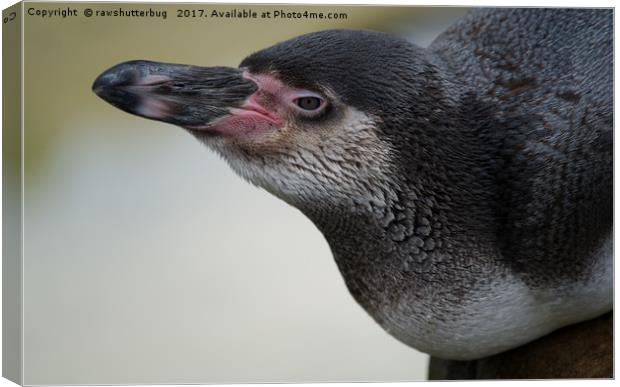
[(465, 189)]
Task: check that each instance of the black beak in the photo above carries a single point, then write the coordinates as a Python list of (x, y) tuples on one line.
[(183, 95)]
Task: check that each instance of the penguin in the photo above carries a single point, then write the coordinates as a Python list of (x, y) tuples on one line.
[(465, 189)]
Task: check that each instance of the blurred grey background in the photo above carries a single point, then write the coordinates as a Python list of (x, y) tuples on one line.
[(146, 259)]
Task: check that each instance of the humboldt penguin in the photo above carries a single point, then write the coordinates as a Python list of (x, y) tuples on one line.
[(465, 189)]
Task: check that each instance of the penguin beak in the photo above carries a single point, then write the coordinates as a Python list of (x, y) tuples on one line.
[(183, 95)]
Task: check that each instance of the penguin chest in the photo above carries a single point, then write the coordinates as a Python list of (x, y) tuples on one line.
[(494, 318), (488, 321)]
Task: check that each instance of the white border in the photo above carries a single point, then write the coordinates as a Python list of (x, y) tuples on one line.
[(488, 3)]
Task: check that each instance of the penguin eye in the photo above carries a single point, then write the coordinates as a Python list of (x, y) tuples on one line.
[(309, 103)]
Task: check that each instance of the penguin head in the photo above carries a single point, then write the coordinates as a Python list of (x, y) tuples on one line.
[(307, 119)]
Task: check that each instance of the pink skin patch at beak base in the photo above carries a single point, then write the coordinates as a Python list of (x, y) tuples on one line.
[(250, 118), (253, 118)]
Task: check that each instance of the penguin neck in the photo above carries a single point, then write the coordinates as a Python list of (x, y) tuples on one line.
[(434, 216), (400, 248), (440, 203)]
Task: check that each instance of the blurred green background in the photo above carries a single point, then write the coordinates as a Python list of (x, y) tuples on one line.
[(146, 259)]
